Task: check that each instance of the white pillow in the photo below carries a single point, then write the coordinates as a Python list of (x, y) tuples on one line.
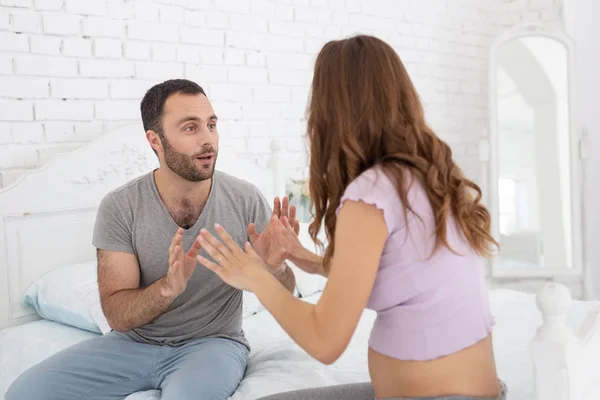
[(55, 296), (87, 291), (70, 295)]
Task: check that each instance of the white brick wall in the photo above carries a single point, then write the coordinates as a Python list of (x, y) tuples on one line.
[(526, 11), (72, 69)]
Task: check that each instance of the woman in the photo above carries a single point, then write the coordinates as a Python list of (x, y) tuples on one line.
[(406, 235)]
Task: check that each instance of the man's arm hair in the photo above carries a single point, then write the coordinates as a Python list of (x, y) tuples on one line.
[(124, 304), (287, 278)]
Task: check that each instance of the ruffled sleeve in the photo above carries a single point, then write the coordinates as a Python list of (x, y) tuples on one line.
[(374, 187)]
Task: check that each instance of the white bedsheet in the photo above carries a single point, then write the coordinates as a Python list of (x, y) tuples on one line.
[(25, 345), (278, 364), (517, 319)]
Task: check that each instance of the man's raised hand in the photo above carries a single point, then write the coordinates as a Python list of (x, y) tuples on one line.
[(279, 240), (181, 265), (283, 210)]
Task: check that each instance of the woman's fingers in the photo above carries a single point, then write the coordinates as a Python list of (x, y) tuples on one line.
[(250, 250), (218, 248), (228, 240), (216, 255), (229, 256), (212, 266)]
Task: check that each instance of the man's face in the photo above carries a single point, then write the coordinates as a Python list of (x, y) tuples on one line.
[(190, 140)]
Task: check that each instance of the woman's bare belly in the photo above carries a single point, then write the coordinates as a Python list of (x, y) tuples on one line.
[(470, 372)]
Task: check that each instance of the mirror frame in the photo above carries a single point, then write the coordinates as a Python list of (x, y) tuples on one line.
[(491, 147)]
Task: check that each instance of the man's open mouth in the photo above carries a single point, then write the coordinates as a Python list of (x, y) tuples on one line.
[(206, 157)]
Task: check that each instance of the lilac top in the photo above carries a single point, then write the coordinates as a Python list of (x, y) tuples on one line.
[(426, 308)]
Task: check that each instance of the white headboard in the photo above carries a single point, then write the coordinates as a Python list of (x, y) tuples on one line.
[(47, 217)]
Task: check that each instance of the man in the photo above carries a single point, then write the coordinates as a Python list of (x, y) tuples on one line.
[(176, 326)]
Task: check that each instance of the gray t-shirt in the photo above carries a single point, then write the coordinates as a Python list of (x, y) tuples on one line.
[(134, 219)]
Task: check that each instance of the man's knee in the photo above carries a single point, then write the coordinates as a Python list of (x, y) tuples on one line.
[(212, 373), (213, 386)]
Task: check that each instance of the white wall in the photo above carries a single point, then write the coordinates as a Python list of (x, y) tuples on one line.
[(513, 12), (73, 69), (586, 33)]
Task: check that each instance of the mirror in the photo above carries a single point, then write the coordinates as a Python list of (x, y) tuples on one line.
[(533, 186)]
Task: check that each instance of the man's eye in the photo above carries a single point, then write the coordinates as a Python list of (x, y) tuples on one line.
[(212, 126), (190, 128)]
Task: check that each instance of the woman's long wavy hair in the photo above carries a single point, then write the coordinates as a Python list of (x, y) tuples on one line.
[(364, 111)]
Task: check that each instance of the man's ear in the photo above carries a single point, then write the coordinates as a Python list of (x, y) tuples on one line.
[(154, 141)]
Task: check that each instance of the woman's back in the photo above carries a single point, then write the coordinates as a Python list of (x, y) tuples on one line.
[(429, 306)]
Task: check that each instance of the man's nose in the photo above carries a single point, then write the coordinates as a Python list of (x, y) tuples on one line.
[(205, 137)]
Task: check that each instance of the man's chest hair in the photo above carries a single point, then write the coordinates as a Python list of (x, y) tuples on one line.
[(185, 214)]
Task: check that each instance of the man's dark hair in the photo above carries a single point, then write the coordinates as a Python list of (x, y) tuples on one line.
[(154, 101)]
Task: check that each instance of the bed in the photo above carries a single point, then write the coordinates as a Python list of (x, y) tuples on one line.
[(544, 344)]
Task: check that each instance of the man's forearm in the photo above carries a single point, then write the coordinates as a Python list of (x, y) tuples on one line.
[(310, 262), (287, 278), (131, 308)]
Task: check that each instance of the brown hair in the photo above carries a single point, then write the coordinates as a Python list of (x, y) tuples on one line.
[(364, 111)]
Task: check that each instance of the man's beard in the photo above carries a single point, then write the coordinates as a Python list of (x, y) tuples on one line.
[(185, 166)]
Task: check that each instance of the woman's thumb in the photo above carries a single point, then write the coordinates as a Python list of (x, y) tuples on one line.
[(249, 249)]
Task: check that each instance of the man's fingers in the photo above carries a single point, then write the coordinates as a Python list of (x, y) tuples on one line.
[(286, 223), (293, 226), (175, 239), (294, 223), (175, 256), (285, 206), (177, 252), (252, 233), (196, 246), (277, 207)]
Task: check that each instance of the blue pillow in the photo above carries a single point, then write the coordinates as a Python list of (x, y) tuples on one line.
[(54, 296)]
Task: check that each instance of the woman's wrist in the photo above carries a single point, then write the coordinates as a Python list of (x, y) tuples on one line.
[(260, 280)]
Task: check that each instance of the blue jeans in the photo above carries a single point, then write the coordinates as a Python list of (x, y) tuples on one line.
[(114, 366)]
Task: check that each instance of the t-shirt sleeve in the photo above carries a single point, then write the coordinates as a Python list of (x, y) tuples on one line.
[(260, 211), (375, 188), (112, 229)]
